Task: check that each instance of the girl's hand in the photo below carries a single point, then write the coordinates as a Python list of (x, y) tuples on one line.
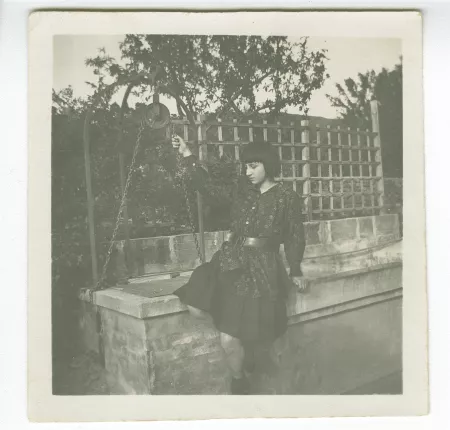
[(179, 144), (300, 282)]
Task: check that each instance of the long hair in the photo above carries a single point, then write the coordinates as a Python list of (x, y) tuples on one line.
[(262, 152)]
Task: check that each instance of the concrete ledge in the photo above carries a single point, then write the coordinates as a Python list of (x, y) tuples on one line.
[(348, 306), (120, 300), (328, 288)]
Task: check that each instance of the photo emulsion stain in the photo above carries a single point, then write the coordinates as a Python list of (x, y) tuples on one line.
[(227, 215)]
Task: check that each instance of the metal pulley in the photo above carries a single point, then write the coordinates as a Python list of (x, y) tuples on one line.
[(157, 116), (156, 120)]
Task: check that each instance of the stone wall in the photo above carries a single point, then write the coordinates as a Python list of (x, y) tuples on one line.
[(344, 332), (178, 253), (127, 358)]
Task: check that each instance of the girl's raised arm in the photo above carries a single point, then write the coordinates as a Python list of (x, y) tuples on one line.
[(199, 179)]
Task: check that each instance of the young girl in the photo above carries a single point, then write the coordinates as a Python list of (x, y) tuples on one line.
[(244, 287)]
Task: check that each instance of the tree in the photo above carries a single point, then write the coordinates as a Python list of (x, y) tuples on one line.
[(239, 76), (242, 75), (353, 104)]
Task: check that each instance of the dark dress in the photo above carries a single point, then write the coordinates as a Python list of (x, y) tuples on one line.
[(245, 288)]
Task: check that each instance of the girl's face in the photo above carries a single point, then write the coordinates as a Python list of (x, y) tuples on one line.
[(255, 172)]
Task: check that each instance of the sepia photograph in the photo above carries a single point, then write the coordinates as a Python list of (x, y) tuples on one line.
[(227, 213)]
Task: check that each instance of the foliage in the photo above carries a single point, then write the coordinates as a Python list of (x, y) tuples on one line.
[(220, 74), (353, 103)]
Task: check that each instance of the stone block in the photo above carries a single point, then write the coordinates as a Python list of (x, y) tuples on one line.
[(194, 375), (206, 349), (128, 371), (122, 322), (118, 301), (157, 327), (343, 229), (135, 371), (135, 342), (312, 233), (123, 331), (345, 289), (386, 225), (179, 338), (155, 253), (185, 250), (110, 319), (366, 228), (386, 238), (325, 232)]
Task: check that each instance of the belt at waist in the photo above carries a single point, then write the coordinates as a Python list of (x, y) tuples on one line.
[(254, 242)]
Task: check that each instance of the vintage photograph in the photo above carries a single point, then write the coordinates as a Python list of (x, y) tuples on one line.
[(181, 165), (227, 213)]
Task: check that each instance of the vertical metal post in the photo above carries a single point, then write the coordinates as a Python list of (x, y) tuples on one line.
[(306, 174), (378, 155), (90, 198), (201, 138)]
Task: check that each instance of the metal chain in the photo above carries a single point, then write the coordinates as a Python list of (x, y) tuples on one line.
[(191, 218), (188, 203), (121, 207)]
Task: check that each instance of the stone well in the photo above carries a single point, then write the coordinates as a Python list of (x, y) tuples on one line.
[(344, 332)]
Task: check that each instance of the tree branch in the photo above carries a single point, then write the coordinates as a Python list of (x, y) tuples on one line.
[(180, 111), (272, 106), (237, 110), (236, 94), (180, 102)]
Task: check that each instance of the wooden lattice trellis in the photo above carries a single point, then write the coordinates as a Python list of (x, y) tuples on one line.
[(338, 171)]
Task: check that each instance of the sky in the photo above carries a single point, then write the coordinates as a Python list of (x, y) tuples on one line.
[(346, 58)]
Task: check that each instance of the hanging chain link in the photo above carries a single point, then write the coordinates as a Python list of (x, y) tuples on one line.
[(188, 202), (121, 207), (191, 218)]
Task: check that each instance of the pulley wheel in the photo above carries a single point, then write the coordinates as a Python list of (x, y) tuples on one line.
[(157, 116)]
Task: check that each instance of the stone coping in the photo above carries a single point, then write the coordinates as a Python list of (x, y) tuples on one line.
[(139, 306), (155, 298), (155, 255)]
